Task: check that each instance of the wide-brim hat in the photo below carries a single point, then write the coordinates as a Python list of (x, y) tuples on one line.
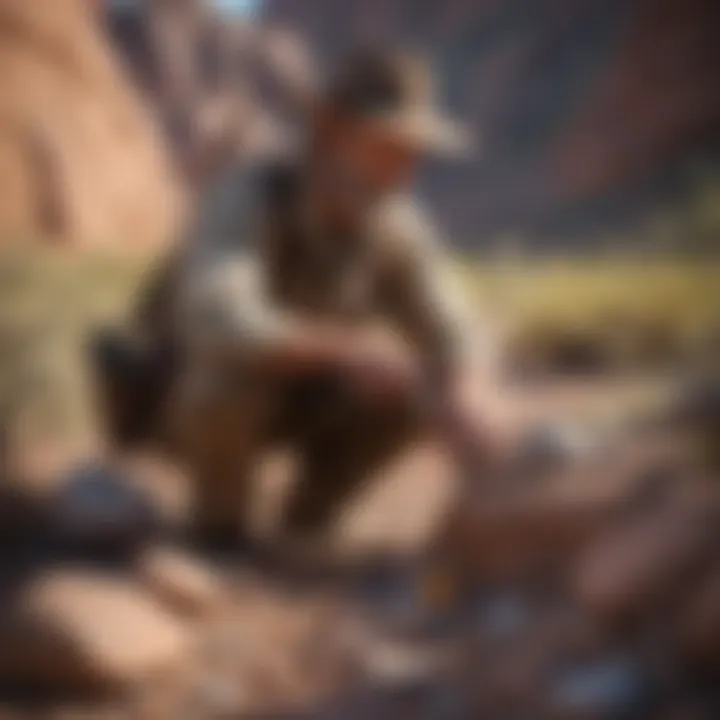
[(394, 93)]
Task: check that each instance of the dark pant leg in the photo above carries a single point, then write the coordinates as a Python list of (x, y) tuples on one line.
[(344, 439), (222, 430), (132, 379), (223, 419)]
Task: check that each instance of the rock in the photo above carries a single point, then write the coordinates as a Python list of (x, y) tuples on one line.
[(698, 404), (615, 688), (87, 632), (640, 564), (224, 90), (511, 531), (493, 76), (97, 508), (519, 659), (699, 630), (393, 663), (503, 618), (518, 535), (81, 161), (182, 582)]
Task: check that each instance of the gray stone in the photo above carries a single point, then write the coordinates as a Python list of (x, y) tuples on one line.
[(97, 506), (614, 688)]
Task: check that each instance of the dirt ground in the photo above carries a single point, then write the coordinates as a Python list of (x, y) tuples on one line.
[(285, 642)]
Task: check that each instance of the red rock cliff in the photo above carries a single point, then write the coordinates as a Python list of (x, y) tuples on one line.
[(81, 162)]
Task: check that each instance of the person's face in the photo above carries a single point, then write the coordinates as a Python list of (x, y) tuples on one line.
[(376, 161)]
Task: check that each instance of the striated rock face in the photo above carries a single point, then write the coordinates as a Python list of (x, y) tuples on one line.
[(222, 86), (588, 109), (81, 162), (590, 113)]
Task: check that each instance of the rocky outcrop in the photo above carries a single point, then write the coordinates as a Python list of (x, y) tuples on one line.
[(588, 110), (587, 590), (81, 162), (88, 632), (225, 88)]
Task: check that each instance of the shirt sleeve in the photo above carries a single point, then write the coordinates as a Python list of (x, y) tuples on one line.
[(224, 308), (421, 296), (223, 303)]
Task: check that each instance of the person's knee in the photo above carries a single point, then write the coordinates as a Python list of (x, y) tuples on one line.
[(403, 401), (115, 366)]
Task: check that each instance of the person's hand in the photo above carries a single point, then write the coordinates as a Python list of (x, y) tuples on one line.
[(377, 369), (368, 365), (476, 426)]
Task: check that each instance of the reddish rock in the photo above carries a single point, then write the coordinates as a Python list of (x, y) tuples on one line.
[(81, 162), (501, 536), (642, 565), (182, 582), (88, 632), (224, 89), (574, 101)]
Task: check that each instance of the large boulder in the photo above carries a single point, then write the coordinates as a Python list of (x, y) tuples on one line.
[(81, 631), (644, 564), (182, 582), (81, 162), (224, 87), (518, 533)]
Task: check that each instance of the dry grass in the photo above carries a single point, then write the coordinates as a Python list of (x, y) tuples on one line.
[(559, 315), (604, 314), (48, 304)]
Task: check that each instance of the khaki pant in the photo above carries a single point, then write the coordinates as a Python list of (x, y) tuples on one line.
[(226, 419)]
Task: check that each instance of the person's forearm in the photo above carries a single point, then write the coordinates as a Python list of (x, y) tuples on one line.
[(465, 426), (301, 345), (367, 365), (468, 437), (307, 346)]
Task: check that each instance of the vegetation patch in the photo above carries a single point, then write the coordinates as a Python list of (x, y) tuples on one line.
[(554, 317)]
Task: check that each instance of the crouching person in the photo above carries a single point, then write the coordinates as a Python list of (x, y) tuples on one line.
[(280, 348)]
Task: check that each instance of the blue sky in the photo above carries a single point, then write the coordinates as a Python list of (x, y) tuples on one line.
[(235, 7), (241, 7)]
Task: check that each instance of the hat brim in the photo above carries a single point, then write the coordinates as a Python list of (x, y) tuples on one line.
[(426, 132)]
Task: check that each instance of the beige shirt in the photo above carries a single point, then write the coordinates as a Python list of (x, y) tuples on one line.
[(392, 269)]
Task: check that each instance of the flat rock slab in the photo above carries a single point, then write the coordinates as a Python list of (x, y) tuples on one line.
[(699, 625), (182, 582), (647, 561), (82, 631)]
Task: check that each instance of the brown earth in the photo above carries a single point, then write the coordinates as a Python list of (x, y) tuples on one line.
[(257, 642)]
